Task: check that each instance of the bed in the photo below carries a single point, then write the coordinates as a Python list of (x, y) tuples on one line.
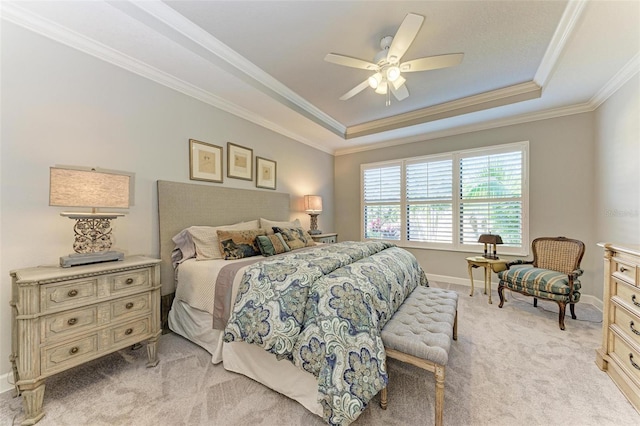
[(285, 351)]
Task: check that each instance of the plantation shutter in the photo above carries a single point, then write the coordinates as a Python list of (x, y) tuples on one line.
[(491, 197), (382, 197)]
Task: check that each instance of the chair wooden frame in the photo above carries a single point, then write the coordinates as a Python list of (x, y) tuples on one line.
[(567, 255)]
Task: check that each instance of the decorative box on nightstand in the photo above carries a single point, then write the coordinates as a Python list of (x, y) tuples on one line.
[(64, 317), (325, 238)]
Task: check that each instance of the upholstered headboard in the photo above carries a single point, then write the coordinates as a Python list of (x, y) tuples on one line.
[(181, 205)]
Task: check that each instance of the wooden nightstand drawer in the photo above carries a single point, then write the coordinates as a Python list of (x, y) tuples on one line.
[(75, 352), (68, 294), (133, 332), (325, 238), (130, 306), (60, 325), (134, 280)]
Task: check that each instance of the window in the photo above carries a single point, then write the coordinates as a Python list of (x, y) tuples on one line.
[(446, 201)]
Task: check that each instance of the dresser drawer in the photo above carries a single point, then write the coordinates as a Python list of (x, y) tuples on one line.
[(75, 352), (629, 325), (626, 356), (133, 331), (68, 294), (127, 281), (129, 306), (58, 326), (625, 270), (627, 295)]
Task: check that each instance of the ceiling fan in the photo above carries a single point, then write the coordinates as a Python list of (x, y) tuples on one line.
[(386, 64)]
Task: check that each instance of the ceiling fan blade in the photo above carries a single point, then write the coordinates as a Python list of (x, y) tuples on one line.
[(404, 37), (400, 93), (359, 88), (432, 62), (348, 61)]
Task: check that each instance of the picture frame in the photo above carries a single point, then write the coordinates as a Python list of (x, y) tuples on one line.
[(266, 173), (239, 162), (205, 161)]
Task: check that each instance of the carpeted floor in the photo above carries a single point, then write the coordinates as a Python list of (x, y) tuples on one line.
[(510, 366)]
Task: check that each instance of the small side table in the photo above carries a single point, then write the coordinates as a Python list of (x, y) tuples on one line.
[(495, 265), (327, 238)]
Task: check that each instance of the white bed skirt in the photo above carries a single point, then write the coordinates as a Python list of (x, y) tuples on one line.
[(246, 359)]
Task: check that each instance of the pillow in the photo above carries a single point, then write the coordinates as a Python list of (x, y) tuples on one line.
[(268, 225), (295, 237), (239, 244), (272, 244), (205, 238)]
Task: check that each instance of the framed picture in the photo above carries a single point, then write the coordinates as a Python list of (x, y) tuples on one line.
[(265, 173), (239, 162), (205, 161)]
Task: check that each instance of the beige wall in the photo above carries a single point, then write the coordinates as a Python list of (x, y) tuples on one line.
[(561, 194), (60, 106)]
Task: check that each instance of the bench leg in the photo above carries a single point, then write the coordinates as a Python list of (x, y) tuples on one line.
[(383, 398), (455, 326), (439, 393)]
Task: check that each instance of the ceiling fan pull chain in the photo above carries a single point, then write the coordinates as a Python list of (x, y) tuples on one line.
[(388, 103)]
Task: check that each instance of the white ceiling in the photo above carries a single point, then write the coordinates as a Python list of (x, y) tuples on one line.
[(263, 60)]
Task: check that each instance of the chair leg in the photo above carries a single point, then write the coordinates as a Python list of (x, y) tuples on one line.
[(572, 307), (535, 302), (561, 308), (501, 294)]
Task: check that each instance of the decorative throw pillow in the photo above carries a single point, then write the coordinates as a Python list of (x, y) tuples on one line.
[(272, 244), (239, 244), (205, 238), (268, 225), (295, 237)]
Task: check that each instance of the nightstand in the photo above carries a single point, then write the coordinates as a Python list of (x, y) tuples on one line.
[(325, 238), (495, 265), (64, 317)]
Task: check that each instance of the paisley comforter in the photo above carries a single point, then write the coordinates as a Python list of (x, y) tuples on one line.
[(323, 309)]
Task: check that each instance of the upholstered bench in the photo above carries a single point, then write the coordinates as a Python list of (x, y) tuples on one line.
[(420, 333)]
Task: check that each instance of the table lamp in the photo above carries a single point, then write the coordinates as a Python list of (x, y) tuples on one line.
[(77, 187), (487, 239), (313, 206)]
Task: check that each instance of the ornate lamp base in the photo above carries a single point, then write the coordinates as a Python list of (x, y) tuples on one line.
[(314, 225), (93, 239)]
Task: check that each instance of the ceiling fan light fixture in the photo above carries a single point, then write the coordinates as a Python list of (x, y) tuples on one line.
[(382, 88), (375, 80), (393, 73)]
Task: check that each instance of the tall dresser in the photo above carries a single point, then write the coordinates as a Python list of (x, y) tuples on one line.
[(63, 317), (619, 355)]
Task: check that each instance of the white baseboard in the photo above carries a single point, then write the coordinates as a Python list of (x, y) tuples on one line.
[(5, 382), (584, 298)]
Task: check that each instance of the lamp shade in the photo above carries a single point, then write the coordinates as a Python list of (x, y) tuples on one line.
[(490, 239), (313, 203), (88, 188)]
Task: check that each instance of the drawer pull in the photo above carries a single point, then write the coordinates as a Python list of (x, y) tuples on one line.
[(73, 350), (128, 331), (622, 269), (72, 293), (129, 281), (129, 305), (633, 329), (73, 321), (636, 366), (633, 299)]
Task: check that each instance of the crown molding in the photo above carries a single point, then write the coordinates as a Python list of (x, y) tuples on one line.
[(485, 125), (617, 81), (568, 21), (39, 25), (180, 24), (492, 99)]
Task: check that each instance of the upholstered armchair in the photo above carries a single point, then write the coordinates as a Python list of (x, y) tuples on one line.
[(552, 274)]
